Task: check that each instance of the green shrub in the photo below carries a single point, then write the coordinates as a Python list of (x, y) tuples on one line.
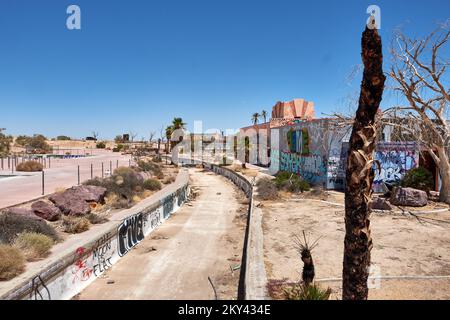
[(29, 166), (12, 262), (418, 178), (118, 148), (306, 292), (33, 245), (63, 138), (75, 224), (11, 225), (152, 184), (267, 189), (101, 145), (291, 182)]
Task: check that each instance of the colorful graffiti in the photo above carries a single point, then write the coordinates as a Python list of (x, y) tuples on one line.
[(311, 167), (298, 141), (395, 160)]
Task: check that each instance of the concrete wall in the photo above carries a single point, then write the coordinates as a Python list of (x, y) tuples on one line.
[(67, 276), (311, 149), (395, 159), (317, 151)]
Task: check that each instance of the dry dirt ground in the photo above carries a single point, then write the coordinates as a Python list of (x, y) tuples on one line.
[(404, 245), (203, 239)]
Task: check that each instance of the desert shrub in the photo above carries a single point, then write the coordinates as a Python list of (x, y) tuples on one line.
[(101, 145), (97, 182), (149, 166), (118, 148), (306, 292), (11, 225), (95, 218), (33, 245), (418, 178), (12, 262), (63, 138), (152, 184), (75, 224), (157, 159), (267, 189), (291, 182), (169, 179), (29, 166)]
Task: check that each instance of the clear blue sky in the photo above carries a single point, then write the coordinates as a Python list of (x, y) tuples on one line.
[(135, 65)]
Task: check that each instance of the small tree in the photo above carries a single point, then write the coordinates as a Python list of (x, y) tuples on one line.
[(5, 143)]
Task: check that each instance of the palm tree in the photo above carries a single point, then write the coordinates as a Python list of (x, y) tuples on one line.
[(177, 123), (169, 131), (359, 173), (264, 115), (255, 118)]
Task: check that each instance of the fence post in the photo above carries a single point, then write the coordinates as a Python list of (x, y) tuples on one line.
[(43, 183), (110, 167), (103, 175), (78, 175), (117, 163), (2, 163)]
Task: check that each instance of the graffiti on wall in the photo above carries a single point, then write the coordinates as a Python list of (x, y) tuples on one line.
[(102, 254), (336, 167), (395, 160), (311, 167), (80, 269), (130, 233), (39, 290), (298, 141)]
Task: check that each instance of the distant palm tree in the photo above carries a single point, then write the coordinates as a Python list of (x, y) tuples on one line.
[(169, 131), (177, 123), (264, 115), (255, 118)]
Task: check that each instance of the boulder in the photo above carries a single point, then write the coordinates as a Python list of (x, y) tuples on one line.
[(408, 197), (23, 212), (46, 210), (75, 201), (433, 196), (380, 204)]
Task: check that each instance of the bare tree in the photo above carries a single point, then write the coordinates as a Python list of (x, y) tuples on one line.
[(418, 72), (133, 135), (151, 136), (95, 134), (359, 173)]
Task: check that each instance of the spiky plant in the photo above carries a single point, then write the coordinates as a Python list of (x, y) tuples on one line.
[(305, 249)]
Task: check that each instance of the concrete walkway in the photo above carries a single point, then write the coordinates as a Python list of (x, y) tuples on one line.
[(175, 261), (62, 174)]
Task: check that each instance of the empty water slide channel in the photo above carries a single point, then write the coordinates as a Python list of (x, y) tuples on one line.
[(194, 255)]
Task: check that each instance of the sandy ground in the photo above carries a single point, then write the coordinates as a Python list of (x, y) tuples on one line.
[(62, 174), (204, 238), (403, 246)]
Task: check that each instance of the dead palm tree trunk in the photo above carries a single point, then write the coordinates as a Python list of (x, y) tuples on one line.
[(359, 173)]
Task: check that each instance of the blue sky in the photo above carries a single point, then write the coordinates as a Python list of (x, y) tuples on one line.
[(135, 65)]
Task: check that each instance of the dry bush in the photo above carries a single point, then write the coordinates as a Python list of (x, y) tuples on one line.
[(12, 262), (29, 166), (267, 189), (11, 225), (34, 245), (300, 291), (95, 218), (169, 179), (75, 224)]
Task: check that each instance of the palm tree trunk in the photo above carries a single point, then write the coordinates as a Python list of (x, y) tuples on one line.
[(359, 173)]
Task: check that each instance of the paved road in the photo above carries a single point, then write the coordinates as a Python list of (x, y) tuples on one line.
[(192, 245), (62, 174)]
